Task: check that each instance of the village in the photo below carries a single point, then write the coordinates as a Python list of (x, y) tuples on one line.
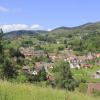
[(76, 62)]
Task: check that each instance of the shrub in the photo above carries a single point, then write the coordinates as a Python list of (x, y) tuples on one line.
[(83, 87), (96, 93), (21, 78)]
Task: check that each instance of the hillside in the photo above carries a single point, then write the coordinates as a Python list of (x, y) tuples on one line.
[(12, 91), (19, 33), (85, 27)]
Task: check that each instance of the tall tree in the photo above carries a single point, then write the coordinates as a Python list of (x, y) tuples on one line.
[(8, 70), (1, 47), (68, 81), (1, 52), (64, 77)]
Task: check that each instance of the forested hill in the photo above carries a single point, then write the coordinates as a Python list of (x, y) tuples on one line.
[(22, 33), (88, 27)]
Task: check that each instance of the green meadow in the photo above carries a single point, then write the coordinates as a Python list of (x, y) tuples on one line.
[(15, 91)]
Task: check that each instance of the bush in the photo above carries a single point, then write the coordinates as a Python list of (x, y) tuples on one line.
[(83, 80), (60, 48), (96, 93), (83, 87), (21, 78)]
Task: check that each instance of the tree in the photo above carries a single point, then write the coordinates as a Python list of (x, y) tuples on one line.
[(16, 53), (1, 52), (1, 47), (42, 75), (8, 70), (64, 77), (27, 43)]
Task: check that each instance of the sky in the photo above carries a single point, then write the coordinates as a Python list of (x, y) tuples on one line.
[(47, 14)]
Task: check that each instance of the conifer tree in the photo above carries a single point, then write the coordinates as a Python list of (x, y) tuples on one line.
[(1, 47)]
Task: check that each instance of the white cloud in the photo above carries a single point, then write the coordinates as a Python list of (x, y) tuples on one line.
[(3, 9), (13, 27), (7, 28), (36, 27), (49, 29)]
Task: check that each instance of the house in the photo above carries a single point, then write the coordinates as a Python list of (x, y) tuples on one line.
[(98, 72), (85, 66), (38, 66), (39, 53), (97, 55), (73, 61), (92, 87), (50, 77), (89, 56), (96, 75), (26, 69), (53, 56), (51, 80), (49, 65), (28, 52), (34, 70)]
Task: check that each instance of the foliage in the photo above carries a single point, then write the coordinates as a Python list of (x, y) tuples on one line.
[(83, 87), (64, 77), (8, 70), (1, 47), (15, 53), (26, 43), (21, 78), (96, 93)]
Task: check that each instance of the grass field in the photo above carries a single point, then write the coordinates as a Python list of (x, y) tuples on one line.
[(14, 91), (86, 74)]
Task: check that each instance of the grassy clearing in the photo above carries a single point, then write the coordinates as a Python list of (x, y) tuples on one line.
[(14, 91), (86, 74)]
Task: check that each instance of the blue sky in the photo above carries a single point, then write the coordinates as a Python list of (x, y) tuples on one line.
[(48, 14)]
